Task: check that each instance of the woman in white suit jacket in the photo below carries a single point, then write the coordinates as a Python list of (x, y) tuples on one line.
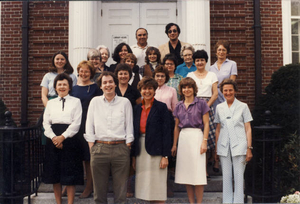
[(234, 141)]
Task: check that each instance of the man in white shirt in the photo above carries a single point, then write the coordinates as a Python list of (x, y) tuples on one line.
[(109, 133), (139, 50)]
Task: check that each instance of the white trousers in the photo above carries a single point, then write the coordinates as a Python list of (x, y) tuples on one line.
[(235, 165)]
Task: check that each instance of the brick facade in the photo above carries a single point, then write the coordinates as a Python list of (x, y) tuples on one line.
[(231, 20)]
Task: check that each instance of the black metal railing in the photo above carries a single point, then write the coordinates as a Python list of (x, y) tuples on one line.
[(21, 157), (262, 179)]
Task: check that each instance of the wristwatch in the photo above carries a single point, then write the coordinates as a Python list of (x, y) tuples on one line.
[(250, 147), (166, 157)]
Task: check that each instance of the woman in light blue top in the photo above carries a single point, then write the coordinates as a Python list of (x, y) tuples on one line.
[(234, 141), (60, 64), (188, 65), (223, 67)]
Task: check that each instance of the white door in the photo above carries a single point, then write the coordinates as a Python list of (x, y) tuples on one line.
[(154, 17), (120, 21)]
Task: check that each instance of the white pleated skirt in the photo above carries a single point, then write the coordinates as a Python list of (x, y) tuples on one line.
[(190, 164), (150, 180)]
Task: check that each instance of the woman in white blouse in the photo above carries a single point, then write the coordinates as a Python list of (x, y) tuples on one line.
[(62, 118), (207, 83)]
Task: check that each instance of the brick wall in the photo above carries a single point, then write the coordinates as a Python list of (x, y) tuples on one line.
[(11, 55), (48, 33), (233, 21)]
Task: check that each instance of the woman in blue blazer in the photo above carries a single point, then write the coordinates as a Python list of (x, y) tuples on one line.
[(152, 144)]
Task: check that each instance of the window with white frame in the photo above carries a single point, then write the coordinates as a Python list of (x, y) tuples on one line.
[(295, 30)]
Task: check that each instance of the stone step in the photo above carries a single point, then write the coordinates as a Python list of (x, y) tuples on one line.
[(214, 184), (48, 198)]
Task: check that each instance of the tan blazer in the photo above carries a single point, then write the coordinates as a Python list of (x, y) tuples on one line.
[(164, 49)]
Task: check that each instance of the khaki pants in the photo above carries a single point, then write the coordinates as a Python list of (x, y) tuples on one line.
[(105, 159)]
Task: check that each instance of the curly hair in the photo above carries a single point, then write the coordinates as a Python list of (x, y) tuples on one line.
[(116, 56)]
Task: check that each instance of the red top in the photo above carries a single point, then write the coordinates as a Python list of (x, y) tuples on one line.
[(144, 116)]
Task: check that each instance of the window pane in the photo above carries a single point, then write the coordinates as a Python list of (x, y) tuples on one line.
[(295, 57), (295, 26), (295, 43), (295, 7)]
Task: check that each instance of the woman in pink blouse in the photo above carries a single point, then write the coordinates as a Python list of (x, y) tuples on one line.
[(191, 128), (164, 93)]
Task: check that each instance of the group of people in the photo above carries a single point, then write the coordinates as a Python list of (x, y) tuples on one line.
[(153, 105)]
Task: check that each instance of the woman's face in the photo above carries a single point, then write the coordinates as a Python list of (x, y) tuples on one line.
[(188, 56), (130, 62), (187, 91), (152, 57), (60, 61), (221, 52), (228, 92), (170, 65), (123, 77), (160, 78), (123, 52), (62, 88), (147, 93), (95, 61), (85, 73), (200, 63), (104, 55)]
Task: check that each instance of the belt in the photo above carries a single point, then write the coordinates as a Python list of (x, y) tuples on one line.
[(111, 142)]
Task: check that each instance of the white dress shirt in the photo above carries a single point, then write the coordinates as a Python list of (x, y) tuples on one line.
[(109, 121), (56, 114), (140, 54)]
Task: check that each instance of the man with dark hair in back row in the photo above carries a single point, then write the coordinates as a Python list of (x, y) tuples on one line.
[(174, 45)]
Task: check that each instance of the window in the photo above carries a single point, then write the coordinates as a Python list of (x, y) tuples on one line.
[(295, 30)]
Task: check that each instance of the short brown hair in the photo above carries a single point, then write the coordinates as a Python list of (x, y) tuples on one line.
[(61, 77), (147, 82), (225, 43), (228, 82), (188, 81), (123, 67), (131, 57), (107, 73), (89, 65), (161, 69)]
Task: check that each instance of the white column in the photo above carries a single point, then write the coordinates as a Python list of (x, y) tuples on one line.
[(83, 29), (194, 21)]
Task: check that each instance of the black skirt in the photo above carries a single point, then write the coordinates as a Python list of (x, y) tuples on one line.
[(64, 165)]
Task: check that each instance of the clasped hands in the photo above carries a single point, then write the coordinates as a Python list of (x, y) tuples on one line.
[(58, 141)]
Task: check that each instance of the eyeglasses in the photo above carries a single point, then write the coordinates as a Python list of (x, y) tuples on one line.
[(140, 35), (169, 64), (187, 55), (174, 31)]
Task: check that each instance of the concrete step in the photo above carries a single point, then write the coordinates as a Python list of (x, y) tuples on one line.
[(48, 198), (214, 184)]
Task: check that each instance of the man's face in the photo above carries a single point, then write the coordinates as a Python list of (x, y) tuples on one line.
[(108, 85), (173, 33), (141, 37)]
